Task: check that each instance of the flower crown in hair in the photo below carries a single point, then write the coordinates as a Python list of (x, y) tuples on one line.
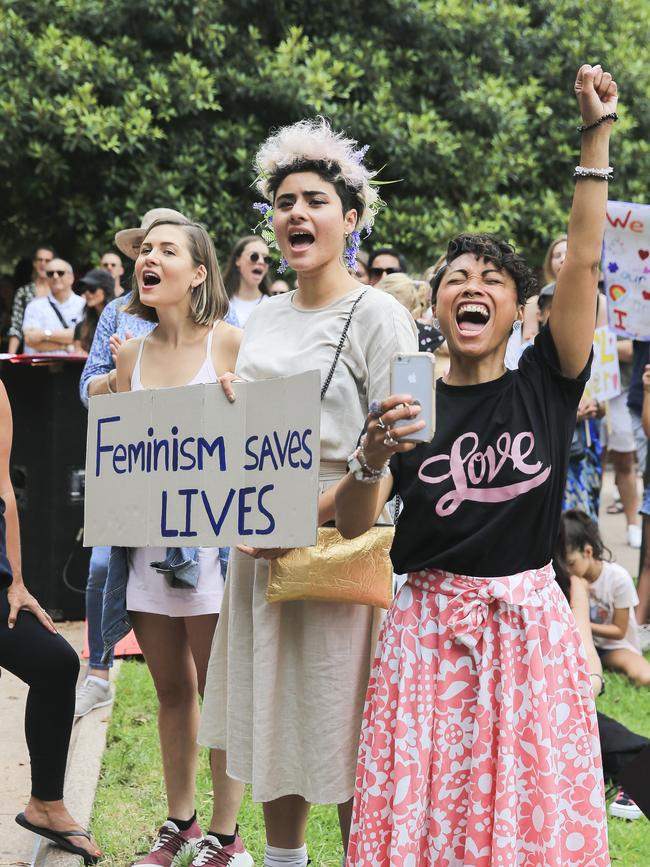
[(314, 140)]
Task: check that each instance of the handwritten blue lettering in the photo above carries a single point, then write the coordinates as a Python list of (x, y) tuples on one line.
[(100, 447)]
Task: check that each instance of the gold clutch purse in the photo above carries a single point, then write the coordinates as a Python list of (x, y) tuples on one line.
[(357, 570)]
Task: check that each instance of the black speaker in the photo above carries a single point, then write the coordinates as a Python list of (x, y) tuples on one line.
[(47, 471)]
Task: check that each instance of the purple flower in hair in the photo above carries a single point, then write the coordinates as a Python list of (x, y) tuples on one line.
[(282, 267), (358, 156), (262, 207), (351, 250)]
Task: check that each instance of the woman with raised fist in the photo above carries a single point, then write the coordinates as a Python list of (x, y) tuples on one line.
[(480, 743)]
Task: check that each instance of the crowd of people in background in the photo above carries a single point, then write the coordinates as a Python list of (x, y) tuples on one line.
[(137, 338)]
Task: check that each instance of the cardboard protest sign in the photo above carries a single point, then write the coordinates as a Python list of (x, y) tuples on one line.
[(182, 467), (605, 381), (626, 268)]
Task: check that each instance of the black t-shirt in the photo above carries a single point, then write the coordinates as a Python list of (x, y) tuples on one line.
[(5, 569), (484, 498)]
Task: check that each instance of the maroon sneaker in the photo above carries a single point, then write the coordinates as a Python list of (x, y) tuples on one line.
[(168, 843), (210, 853)]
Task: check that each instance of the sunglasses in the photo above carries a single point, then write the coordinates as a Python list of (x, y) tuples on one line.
[(55, 273), (379, 272), (254, 257)]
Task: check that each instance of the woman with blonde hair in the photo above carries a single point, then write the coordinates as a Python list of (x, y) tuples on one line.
[(286, 681), (553, 261), (403, 289), (410, 294), (177, 285)]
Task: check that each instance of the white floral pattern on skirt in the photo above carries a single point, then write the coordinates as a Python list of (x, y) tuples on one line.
[(479, 745)]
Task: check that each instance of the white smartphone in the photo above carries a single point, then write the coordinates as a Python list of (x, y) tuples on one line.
[(414, 374)]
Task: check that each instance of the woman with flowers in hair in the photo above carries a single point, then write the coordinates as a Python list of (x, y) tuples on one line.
[(286, 681), (480, 742)]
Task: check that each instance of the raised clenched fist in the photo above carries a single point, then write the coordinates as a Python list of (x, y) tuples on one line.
[(596, 92)]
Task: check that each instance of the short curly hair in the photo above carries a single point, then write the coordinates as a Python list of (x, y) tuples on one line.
[(500, 253)]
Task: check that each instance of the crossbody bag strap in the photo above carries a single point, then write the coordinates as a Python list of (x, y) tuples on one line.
[(58, 313), (339, 348)]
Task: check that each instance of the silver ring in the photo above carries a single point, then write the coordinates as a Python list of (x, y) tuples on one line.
[(381, 424), (389, 441)]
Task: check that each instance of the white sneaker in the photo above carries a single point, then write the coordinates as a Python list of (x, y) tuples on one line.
[(634, 535), (643, 631), (623, 807), (90, 695)]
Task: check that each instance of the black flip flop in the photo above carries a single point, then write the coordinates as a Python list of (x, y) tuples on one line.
[(60, 838)]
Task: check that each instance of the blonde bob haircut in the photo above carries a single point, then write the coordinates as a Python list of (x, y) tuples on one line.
[(549, 276), (404, 290), (209, 301)]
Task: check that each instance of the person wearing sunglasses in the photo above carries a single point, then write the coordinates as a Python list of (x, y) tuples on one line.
[(38, 288), (98, 287), (382, 261), (112, 263), (246, 276), (49, 322)]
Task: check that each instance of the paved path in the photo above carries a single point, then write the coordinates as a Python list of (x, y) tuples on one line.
[(17, 846)]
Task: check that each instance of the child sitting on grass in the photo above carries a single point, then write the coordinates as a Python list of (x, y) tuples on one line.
[(612, 596)]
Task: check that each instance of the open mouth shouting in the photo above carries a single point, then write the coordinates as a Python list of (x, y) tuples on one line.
[(150, 279), (300, 239), (472, 317)]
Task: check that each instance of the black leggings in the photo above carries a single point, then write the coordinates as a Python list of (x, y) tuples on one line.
[(49, 666)]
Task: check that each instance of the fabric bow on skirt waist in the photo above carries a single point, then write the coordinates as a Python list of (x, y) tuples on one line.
[(479, 744)]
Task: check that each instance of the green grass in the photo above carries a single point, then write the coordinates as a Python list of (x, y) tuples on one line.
[(130, 802), (629, 842)]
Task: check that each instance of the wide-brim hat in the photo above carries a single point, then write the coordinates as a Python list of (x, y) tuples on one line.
[(128, 241)]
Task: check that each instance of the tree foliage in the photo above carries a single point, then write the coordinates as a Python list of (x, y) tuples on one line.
[(109, 109)]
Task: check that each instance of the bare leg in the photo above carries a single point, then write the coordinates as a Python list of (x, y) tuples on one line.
[(286, 820), (227, 793), (345, 819), (625, 478), (200, 632), (643, 608), (227, 797), (632, 664), (164, 643), (54, 815)]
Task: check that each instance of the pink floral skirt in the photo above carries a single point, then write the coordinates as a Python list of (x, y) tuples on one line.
[(479, 744)]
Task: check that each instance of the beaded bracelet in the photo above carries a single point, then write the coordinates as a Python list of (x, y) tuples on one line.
[(587, 126), (583, 172)]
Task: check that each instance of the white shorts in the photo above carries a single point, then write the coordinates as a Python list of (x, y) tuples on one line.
[(621, 436)]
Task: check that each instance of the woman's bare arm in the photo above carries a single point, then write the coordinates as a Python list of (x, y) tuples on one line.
[(20, 599), (125, 362), (573, 314)]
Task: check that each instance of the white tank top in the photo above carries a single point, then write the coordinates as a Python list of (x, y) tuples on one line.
[(146, 589), (206, 372)]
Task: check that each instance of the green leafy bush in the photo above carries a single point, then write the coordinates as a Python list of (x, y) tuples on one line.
[(107, 110)]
